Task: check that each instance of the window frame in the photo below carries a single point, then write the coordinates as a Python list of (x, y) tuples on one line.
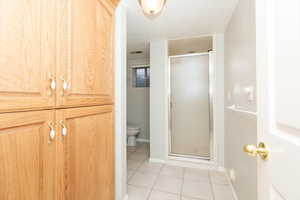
[(146, 75)]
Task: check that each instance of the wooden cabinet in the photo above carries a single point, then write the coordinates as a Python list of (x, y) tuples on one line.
[(86, 161), (56, 54), (77, 164), (27, 156), (85, 68), (27, 54), (56, 63)]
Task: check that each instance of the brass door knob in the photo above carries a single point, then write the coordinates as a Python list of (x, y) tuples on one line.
[(260, 150)]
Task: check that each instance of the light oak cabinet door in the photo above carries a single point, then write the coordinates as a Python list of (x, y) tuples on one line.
[(27, 157), (27, 54), (86, 164), (85, 53)]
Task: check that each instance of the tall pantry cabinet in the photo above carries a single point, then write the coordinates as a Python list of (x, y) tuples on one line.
[(57, 99)]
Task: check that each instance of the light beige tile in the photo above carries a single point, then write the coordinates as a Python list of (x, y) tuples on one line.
[(138, 193), (142, 144), (142, 147), (150, 167), (218, 177), (197, 189), (158, 195), (223, 192), (143, 150), (172, 171), (138, 156), (220, 180), (143, 179), (217, 173), (134, 164), (130, 174), (129, 153), (168, 184), (196, 174), (190, 198), (131, 149)]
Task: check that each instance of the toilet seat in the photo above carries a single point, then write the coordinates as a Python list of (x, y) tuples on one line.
[(132, 128)]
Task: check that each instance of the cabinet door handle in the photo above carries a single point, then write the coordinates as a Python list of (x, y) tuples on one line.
[(65, 85), (52, 132), (52, 84), (64, 131)]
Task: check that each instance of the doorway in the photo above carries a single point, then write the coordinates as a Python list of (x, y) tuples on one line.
[(190, 106)]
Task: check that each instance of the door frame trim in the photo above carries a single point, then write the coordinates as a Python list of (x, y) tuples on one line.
[(189, 54), (263, 37), (212, 105), (120, 63)]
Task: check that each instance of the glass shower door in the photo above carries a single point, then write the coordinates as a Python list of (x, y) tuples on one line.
[(190, 106)]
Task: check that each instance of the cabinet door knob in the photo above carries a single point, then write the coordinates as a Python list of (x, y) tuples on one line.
[(52, 84), (65, 85), (64, 131), (52, 132)]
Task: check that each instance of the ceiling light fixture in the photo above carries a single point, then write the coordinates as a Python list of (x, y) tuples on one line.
[(152, 7)]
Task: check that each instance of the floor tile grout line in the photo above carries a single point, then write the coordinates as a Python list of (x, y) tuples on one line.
[(208, 181), (159, 173), (136, 170), (184, 170), (152, 188), (211, 185)]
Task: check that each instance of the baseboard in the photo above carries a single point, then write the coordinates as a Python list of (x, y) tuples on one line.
[(143, 140), (156, 160), (188, 164)]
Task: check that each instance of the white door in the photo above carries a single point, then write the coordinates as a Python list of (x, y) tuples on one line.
[(190, 107), (278, 75)]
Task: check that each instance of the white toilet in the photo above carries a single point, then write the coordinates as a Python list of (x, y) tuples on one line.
[(132, 133)]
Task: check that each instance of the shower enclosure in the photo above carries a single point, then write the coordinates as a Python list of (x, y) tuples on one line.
[(191, 107)]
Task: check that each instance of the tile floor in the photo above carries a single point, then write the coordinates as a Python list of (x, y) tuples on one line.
[(154, 181)]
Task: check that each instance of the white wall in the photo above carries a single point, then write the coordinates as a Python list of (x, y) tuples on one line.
[(240, 72), (138, 107), (158, 99), (218, 88), (187, 45)]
